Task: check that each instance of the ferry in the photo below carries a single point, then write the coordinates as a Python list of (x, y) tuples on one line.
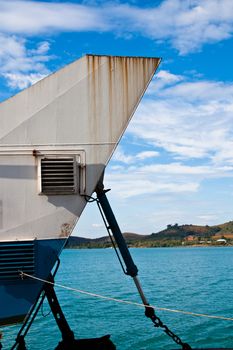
[(56, 138)]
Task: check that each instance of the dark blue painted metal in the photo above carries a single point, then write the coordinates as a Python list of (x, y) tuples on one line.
[(17, 295)]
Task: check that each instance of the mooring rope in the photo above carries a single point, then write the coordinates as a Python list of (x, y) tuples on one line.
[(22, 274)]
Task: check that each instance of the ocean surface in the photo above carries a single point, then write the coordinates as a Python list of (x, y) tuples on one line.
[(191, 279)]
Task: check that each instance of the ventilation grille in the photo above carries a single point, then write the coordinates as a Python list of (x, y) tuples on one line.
[(58, 175), (15, 257)]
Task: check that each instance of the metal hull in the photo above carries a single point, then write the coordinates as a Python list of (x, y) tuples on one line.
[(56, 138), (35, 257)]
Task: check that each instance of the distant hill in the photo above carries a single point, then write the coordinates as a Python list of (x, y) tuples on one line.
[(226, 228), (182, 231), (129, 236), (74, 241), (173, 235)]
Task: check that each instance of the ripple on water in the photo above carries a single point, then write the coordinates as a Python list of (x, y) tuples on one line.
[(198, 280)]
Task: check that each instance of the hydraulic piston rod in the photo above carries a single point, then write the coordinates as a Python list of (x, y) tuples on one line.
[(131, 268)]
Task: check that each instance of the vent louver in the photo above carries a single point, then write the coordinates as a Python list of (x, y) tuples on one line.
[(15, 257), (58, 175)]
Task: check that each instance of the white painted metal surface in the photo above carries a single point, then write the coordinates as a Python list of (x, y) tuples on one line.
[(82, 111)]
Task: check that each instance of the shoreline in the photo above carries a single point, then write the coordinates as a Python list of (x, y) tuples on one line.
[(147, 247)]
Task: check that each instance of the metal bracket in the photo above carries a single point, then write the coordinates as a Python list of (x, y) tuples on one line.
[(131, 268), (68, 339), (66, 332)]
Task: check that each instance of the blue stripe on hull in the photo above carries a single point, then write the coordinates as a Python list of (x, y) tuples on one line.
[(17, 295)]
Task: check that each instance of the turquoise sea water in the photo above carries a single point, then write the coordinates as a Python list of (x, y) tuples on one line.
[(191, 279)]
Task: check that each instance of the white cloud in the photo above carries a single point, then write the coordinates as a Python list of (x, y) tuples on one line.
[(189, 119), (162, 178), (97, 225), (186, 25), (207, 217), (167, 77), (146, 155), (201, 90), (42, 48), (19, 65), (192, 121), (225, 153), (121, 156), (163, 79), (22, 81), (47, 17), (136, 183), (181, 169)]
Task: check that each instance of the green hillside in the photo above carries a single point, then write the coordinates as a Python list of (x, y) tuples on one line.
[(173, 235)]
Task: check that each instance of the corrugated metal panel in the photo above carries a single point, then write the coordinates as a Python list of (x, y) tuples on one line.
[(15, 257), (58, 175)]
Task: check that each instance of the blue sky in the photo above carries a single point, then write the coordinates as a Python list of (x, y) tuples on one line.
[(175, 162)]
